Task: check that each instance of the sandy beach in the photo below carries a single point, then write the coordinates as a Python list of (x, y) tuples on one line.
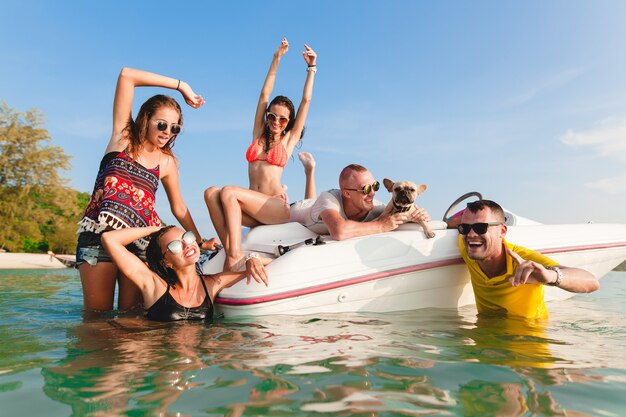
[(30, 261)]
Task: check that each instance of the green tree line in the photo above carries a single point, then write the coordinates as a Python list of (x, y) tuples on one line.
[(38, 211)]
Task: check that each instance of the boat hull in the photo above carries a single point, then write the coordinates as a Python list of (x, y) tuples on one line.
[(395, 271)]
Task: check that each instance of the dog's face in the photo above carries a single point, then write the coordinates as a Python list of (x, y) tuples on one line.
[(404, 193)]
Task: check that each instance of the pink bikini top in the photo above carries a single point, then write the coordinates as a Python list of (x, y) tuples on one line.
[(277, 155)]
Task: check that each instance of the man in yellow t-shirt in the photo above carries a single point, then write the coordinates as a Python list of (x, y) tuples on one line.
[(509, 279)]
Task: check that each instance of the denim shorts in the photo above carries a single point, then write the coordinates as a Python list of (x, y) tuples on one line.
[(90, 250)]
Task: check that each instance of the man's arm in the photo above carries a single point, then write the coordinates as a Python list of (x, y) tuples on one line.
[(341, 228), (575, 280), (572, 279)]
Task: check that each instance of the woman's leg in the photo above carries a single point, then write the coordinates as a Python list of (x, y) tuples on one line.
[(128, 295), (238, 202), (216, 212), (98, 285), (212, 198)]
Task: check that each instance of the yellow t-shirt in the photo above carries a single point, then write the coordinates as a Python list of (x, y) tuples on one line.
[(497, 295)]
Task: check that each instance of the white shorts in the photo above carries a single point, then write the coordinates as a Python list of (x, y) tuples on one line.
[(300, 211)]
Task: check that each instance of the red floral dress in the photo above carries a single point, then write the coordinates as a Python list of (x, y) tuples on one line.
[(123, 196)]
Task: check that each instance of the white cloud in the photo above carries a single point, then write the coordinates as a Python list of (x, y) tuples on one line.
[(608, 138), (613, 185), (550, 83)]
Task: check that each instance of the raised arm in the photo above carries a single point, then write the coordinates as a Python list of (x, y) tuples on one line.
[(130, 78), (268, 87), (129, 264), (310, 57)]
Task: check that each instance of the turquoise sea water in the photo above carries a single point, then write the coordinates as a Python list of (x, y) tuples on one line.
[(428, 362)]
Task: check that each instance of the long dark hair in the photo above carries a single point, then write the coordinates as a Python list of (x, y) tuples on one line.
[(137, 129), (156, 258), (268, 138)]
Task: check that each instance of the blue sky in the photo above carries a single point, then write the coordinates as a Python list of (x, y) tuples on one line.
[(523, 101)]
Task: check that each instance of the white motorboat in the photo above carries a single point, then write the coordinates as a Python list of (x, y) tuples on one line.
[(399, 270)]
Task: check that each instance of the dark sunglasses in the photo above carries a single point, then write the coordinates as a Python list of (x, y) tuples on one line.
[(176, 246), (162, 125), (272, 118), (367, 188), (480, 228)]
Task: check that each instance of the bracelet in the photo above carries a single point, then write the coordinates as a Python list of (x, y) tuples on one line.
[(559, 276), (312, 69), (178, 85), (252, 255), (311, 65)]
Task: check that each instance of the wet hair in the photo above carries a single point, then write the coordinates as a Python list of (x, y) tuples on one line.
[(136, 130), (268, 138), (349, 171), (496, 209), (156, 258)]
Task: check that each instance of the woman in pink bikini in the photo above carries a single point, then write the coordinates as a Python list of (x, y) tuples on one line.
[(277, 130)]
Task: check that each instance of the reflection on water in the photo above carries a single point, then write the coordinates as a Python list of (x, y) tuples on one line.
[(422, 362)]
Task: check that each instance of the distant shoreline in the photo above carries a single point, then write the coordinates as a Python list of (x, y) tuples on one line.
[(10, 260)]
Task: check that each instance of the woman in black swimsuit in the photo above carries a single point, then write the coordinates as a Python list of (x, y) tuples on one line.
[(171, 286)]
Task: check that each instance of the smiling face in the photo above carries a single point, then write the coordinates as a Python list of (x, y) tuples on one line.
[(190, 251), (488, 246), (157, 137), (277, 118), (355, 201)]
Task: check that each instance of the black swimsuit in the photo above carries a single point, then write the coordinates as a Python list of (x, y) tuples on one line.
[(167, 308)]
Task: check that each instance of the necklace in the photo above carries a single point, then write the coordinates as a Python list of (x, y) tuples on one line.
[(187, 310)]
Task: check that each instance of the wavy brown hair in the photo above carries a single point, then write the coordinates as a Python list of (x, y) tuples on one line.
[(136, 130), (268, 138)]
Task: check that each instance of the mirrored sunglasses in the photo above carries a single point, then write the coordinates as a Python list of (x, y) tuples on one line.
[(162, 125), (479, 228), (176, 246), (272, 118), (367, 188)]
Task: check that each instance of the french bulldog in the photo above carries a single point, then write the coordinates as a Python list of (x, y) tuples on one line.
[(403, 198)]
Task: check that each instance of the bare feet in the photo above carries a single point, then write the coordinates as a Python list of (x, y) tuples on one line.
[(254, 267), (307, 161), (235, 263)]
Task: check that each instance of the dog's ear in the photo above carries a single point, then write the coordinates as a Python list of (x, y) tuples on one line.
[(388, 184), (421, 188)]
